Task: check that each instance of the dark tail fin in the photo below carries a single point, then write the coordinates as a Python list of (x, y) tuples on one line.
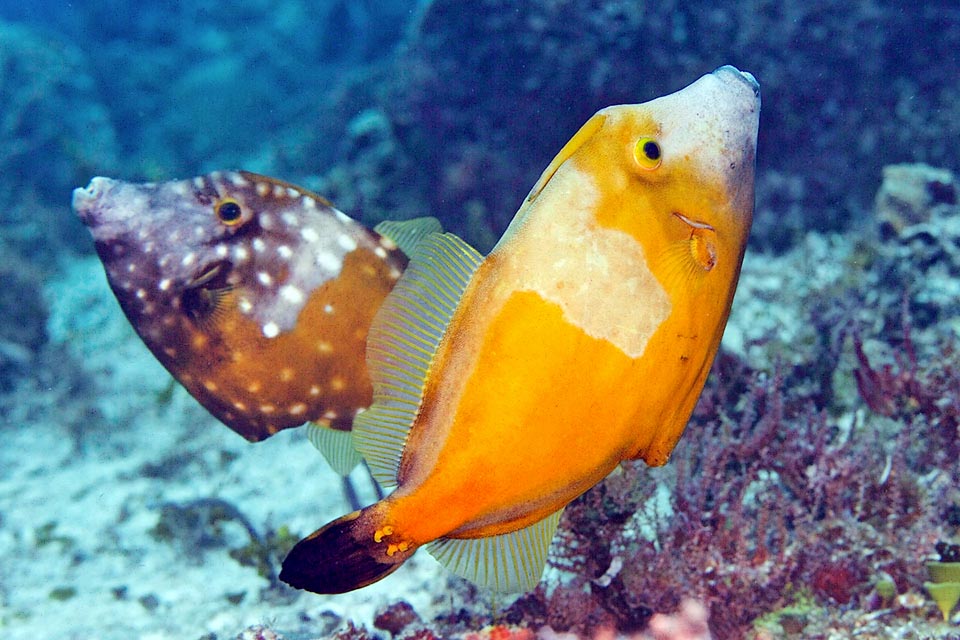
[(349, 553)]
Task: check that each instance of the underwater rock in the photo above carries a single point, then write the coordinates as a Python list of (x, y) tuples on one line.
[(396, 617), (259, 632), (911, 194)]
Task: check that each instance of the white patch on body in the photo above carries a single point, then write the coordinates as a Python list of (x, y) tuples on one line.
[(599, 277)]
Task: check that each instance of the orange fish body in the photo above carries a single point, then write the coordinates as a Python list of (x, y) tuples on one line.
[(255, 294), (582, 340)]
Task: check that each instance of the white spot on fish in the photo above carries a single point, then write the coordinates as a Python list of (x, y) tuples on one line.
[(240, 253), (237, 180), (309, 202), (239, 406), (210, 385), (290, 219), (328, 261), (310, 235), (254, 387), (199, 231), (380, 252), (267, 408), (263, 189), (286, 374), (221, 250), (297, 409), (245, 305), (266, 280), (164, 284), (278, 191), (189, 259), (259, 245), (328, 308), (141, 294), (199, 182), (291, 294), (180, 189), (266, 221), (285, 252), (324, 347), (293, 193), (271, 330), (314, 390), (387, 243), (346, 242), (342, 217), (131, 267)]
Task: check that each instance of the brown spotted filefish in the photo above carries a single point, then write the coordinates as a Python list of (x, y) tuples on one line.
[(255, 294)]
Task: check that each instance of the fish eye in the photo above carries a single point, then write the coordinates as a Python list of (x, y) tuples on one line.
[(229, 211), (647, 153)]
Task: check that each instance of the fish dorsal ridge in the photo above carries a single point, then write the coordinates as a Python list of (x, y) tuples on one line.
[(407, 234), (402, 343)]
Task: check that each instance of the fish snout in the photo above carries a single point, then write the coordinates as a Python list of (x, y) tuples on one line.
[(732, 74), (86, 199)]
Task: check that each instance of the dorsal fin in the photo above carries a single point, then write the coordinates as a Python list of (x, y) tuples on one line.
[(407, 234), (336, 446), (506, 563), (403, 340)]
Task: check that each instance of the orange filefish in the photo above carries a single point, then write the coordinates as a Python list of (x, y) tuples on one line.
[(255, 294), (506, 386)]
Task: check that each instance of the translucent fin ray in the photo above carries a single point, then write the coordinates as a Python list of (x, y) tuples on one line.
[(336, 446), (407, 234), (507, 563), (402, 343)]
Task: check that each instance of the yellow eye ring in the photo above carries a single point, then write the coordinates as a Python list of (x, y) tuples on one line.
[(647, 153), (229, 212)]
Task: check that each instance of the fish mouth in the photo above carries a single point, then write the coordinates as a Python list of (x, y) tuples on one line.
[(86, 199), (743, 76), (695, 224)]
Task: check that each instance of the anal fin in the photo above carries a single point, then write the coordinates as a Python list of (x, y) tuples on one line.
[(407, 234), (336, 446), (506, 563)]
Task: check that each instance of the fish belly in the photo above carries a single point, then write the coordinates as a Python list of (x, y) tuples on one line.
[(544, 412)]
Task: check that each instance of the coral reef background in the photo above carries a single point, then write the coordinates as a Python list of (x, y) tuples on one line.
[(822, 460)]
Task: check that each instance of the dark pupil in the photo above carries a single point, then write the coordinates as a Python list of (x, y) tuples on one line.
[(651, 149), (229, 211)]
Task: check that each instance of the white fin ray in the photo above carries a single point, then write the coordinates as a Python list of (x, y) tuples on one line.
[(407, 234), (506, 563), (336, 446), (402, 343)]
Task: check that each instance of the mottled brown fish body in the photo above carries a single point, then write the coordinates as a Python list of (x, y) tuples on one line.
[(255, 294)]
